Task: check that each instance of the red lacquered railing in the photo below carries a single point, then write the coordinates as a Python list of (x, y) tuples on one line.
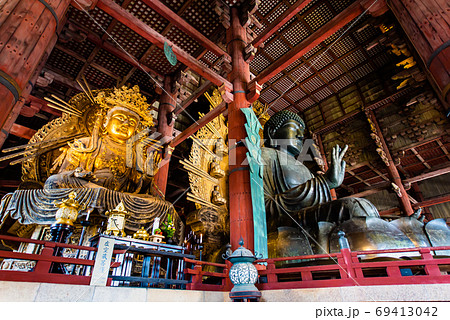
[(44, 261), (207, 280)]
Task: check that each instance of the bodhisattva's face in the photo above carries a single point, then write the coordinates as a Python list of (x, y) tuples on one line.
[(121, 125), (290, 137)]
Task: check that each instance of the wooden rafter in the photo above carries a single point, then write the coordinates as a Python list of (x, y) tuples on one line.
[(180, 23), (280, 21), (138, 26), (312, 41)]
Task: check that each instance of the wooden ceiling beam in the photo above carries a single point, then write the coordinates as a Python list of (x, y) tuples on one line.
[(21, 131), (428, 175), (280, 21), (181, 24), (312, 41), (432, 202), (138, 26), (194, 96)]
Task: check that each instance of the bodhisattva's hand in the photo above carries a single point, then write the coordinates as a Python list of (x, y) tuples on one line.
[(336, 172)]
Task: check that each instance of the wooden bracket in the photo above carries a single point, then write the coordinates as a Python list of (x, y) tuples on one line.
[(223, 11), (253, 92), (226, 93), (250, 53)]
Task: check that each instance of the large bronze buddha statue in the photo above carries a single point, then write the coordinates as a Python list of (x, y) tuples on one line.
[(294, 197), (114, 160)]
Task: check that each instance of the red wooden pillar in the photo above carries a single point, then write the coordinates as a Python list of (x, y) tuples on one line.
[(427, 25), (27, 28), (241, 213), (405, 204), (167, 104)]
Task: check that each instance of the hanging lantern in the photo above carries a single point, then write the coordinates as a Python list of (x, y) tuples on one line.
[(116, 221)]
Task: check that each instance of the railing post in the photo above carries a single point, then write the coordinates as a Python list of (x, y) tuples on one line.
[(227, 282), (271, 277), (346, 254), (430, 269), (43, 267)]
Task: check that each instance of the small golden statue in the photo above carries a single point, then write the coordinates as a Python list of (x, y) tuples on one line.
[(219, 148), (216, 171), (217, 198), (68, 210)]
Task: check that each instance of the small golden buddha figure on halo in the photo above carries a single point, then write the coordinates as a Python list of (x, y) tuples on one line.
[(217, 198), (216, 171)]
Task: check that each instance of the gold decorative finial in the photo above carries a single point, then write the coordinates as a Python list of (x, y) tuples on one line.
[(141, 234), (129, 98)]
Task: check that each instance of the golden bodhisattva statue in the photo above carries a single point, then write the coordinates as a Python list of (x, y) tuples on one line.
[(102, 149)]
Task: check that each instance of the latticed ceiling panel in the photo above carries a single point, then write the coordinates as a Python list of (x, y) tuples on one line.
[(332, 72), (342, 46), (279, 104), (83, 48), (362, 71), (129, 41), (283, 85), (180, 39), (276, 49), (321, 60), (305, 104), (313, 84), (259, 63), (276, 77), (296, 94), (269, 95), (266, 6), (98, 78), (296, 33), (318, 17), (341, 83), (174, 5), (353, 59), (95, 20), (202, 17), (158, 61), (64, 62), (144, 81), (301, 73), (146, 14), (276, 13), (112, 63)]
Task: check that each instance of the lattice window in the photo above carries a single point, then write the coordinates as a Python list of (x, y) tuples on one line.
[(64, 62), (283, 84), (210, 57), (269, 95), (296, 33), (343, 46), (276, 49), (97, 21), (112, 63), (129, 40), (296, 94), (98, 78), (319, 16), (278, 12), (321, 61), (301, 73), (353, 59), (341, 83), (332, 72), (259, 63), (313, 84), (362, 71)]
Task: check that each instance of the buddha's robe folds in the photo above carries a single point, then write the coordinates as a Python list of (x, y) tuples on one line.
[(290, 189)]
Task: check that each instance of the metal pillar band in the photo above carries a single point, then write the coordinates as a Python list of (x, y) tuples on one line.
[(10, 84), (52, 11)]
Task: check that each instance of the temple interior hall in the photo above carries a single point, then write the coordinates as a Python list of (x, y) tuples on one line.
[(369, 76)]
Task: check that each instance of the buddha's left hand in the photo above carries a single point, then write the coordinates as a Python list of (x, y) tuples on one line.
[(336, 172)]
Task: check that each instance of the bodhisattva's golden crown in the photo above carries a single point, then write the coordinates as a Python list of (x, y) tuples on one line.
[(129, 98)]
